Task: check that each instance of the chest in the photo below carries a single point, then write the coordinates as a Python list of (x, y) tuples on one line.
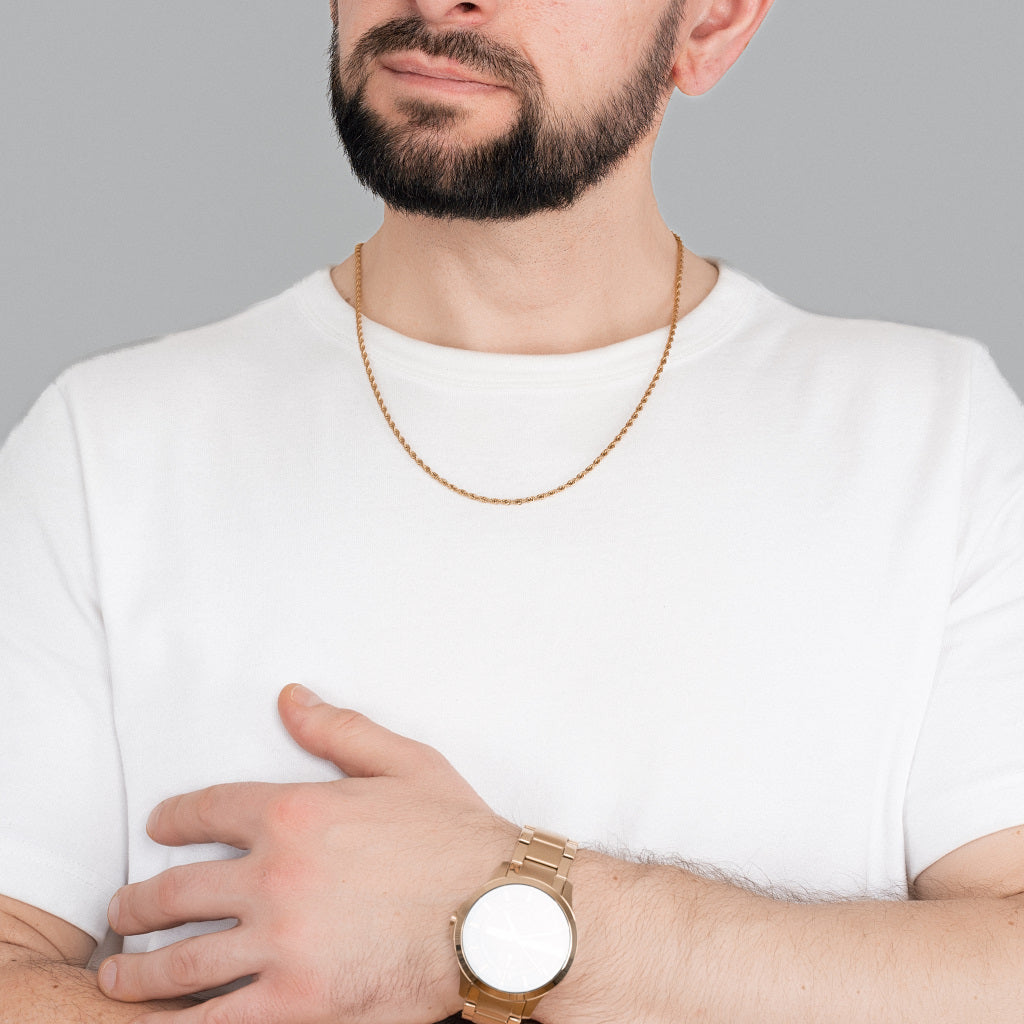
[(727, 666)]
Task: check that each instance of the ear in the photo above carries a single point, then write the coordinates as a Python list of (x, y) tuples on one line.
[(715, 38)]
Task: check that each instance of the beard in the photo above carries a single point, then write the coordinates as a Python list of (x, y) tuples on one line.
[(544, 161)]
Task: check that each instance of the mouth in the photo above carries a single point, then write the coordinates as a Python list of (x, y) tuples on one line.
[(420, 71)]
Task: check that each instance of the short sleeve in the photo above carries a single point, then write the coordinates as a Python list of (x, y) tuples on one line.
[(967, 778), (62, 805)]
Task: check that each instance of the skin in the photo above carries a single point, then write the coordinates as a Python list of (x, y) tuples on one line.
[(404, 840), (485, 285), (722, 954)]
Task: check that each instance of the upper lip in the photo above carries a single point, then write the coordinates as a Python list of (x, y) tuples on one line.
[(420, 64)]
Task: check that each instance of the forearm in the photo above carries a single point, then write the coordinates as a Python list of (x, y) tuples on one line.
[(659, 944), (35, 990)]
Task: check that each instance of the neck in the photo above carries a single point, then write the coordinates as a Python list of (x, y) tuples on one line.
[(598, 273)]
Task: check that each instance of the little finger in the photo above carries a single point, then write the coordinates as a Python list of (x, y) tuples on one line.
[(181, 969)]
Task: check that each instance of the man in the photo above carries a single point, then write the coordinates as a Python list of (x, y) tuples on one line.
[(572, 529)]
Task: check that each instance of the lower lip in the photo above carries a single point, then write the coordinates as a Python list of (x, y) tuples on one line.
[(451, 86)]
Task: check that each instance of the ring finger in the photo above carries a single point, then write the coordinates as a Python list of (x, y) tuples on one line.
[(207, 891)]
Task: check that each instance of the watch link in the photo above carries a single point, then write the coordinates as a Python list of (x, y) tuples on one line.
[(515, 937)]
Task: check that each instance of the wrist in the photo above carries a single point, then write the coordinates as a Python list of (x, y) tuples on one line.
[(598, 986), (482, 846), (515, 935)]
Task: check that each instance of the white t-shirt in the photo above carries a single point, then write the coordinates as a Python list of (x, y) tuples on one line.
[(780, 629)]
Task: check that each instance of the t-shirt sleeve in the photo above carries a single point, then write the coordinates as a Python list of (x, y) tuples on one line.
[(967, 778), (62, 805)]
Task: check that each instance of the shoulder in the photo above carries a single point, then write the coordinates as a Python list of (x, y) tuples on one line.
[(852, 356), (237, 355), (851, 336)]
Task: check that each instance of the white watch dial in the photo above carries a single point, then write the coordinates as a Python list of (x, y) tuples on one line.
[(516, 938)]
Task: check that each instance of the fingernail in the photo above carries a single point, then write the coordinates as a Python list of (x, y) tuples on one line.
[(154, 816), (307, 698), (115, 905), (108, 975)]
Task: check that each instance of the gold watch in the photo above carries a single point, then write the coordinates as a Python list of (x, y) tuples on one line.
[(515, 937)]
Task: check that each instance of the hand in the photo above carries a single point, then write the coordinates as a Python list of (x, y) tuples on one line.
[(344, 898)]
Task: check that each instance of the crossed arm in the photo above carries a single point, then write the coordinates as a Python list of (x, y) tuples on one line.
[(344, 899)]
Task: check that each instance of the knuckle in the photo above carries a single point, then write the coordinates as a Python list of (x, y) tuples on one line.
[(206, 807), (349, 723), (184, 966), (294, 810), (289, 937), (168, 892), (275, 878), (421, 759), (432, 756), (248, 792)]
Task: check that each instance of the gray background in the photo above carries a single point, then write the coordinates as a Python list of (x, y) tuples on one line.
[(166, 165)]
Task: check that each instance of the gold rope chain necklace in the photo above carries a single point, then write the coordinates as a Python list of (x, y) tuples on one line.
[(533, 497)]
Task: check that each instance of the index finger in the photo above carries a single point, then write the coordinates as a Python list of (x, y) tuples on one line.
[(228, 813)]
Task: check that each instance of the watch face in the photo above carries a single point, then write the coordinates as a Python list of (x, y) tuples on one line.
[(516, 938)]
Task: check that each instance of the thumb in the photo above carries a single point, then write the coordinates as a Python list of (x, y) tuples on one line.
[(358, 746)]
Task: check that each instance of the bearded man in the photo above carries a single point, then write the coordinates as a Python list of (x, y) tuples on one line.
[(668, 635)]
